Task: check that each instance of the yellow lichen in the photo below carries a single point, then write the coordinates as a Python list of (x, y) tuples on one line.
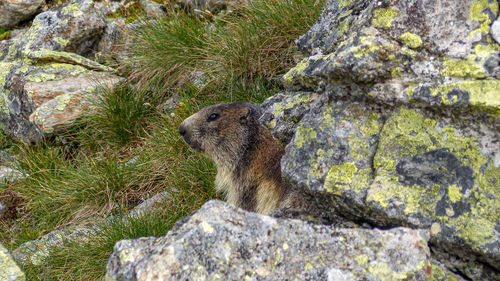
[(411, 40), (384, 16)]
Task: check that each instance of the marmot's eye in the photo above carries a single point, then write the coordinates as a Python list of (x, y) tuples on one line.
[(212, 117)]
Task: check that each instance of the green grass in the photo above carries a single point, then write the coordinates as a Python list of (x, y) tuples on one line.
[(126, 149), (256, 42)]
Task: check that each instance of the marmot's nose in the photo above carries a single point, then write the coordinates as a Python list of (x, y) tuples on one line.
[(182, 130)]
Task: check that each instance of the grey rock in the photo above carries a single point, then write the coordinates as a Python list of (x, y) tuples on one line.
[(112, 46), (149, 204), (170, 104), (153, 9), (34, 252), (220, 241), (9, 271), (52, 49), (495, 31), (8, 174), (15, 11), (403, 127)]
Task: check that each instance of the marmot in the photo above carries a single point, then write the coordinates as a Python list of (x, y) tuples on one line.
[(247, 157)]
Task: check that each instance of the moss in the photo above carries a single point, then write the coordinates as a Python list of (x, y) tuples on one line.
[(4, 34), (384, 16), (411, 40)]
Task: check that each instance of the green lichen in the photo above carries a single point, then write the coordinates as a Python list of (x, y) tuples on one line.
[(304, 135), (345, 3), (343, 27), (384, 16), (409, 133), (66, 57), (296, 75), (478, 13), (8, 268), (396, 72), (483, 94), (464, 68), (73, 10), (411, 40), (408, 51), (454, 193), (366, 48), (339, 175), (4, 34), (62, 101), (63, 42), (296, 100)]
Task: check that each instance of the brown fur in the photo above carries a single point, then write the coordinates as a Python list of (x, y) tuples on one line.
[(246, 154)]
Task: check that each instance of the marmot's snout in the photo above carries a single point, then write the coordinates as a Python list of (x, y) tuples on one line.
[(187, 134)]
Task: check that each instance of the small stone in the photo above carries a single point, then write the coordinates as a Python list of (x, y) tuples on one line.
[(495, 31)]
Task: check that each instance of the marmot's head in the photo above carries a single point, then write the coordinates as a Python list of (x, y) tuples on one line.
[(221, 131)]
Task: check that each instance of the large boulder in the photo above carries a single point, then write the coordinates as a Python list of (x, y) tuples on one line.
[(393, 118), (9, 271), (13, 12), (220, 241), (51, 56)]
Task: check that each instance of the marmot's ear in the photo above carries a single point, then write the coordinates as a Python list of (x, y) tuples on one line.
[(245, 113)]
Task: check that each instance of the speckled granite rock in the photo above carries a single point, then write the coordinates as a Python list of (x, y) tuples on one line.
[(9, 271), (52, 49), (220, 241), (397, 122), (8, 174), (13, 12)]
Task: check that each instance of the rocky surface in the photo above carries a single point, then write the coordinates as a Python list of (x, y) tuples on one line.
[(13, 12), (9, 271), (51, 56), (8, 174), (394, 116), (35, 251), (220, 241)]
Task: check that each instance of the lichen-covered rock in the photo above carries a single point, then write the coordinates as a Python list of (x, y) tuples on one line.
[(111, 47), (153, 9), (402, 128), (13, 12), (60, 103), (34, 252), (220, 241), (9, 271), (53, 49)]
